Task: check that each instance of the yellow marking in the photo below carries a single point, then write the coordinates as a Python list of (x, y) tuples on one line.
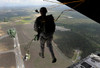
[(77, 1)]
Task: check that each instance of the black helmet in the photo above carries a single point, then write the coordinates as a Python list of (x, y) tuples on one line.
[(43, 10)]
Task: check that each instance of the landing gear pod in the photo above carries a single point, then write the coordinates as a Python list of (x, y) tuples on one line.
[(11, 32)]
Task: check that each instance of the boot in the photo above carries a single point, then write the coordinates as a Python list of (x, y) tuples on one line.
[(54, 60)]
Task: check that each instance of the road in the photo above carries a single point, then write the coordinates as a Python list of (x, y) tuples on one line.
[(4, 52), (1, 37), (18, 55)]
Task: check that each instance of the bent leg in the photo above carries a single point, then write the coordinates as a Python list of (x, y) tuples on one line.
[(49, 44)]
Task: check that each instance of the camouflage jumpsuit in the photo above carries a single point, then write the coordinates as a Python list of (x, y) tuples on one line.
[(44, 37)]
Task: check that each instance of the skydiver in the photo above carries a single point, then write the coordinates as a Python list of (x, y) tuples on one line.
[(45, 27)]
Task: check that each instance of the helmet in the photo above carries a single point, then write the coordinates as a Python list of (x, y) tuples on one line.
[(43, 10)]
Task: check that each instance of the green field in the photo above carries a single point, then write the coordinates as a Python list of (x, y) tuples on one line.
[(84, 36)]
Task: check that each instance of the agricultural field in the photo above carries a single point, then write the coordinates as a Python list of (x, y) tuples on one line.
[(84, 35), (77, 37), (24, 27)]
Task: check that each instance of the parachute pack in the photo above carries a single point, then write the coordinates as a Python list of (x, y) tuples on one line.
[(47, 24)]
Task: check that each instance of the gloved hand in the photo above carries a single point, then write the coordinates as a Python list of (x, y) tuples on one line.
[(36, 38)]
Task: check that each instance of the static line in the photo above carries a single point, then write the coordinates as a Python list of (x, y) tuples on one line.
[(64, 3)]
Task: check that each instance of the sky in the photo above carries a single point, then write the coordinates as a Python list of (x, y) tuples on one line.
[(5, 3)]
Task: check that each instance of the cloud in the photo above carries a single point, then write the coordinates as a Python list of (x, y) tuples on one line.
[(25, 2), (10, 1), (21, 1)]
